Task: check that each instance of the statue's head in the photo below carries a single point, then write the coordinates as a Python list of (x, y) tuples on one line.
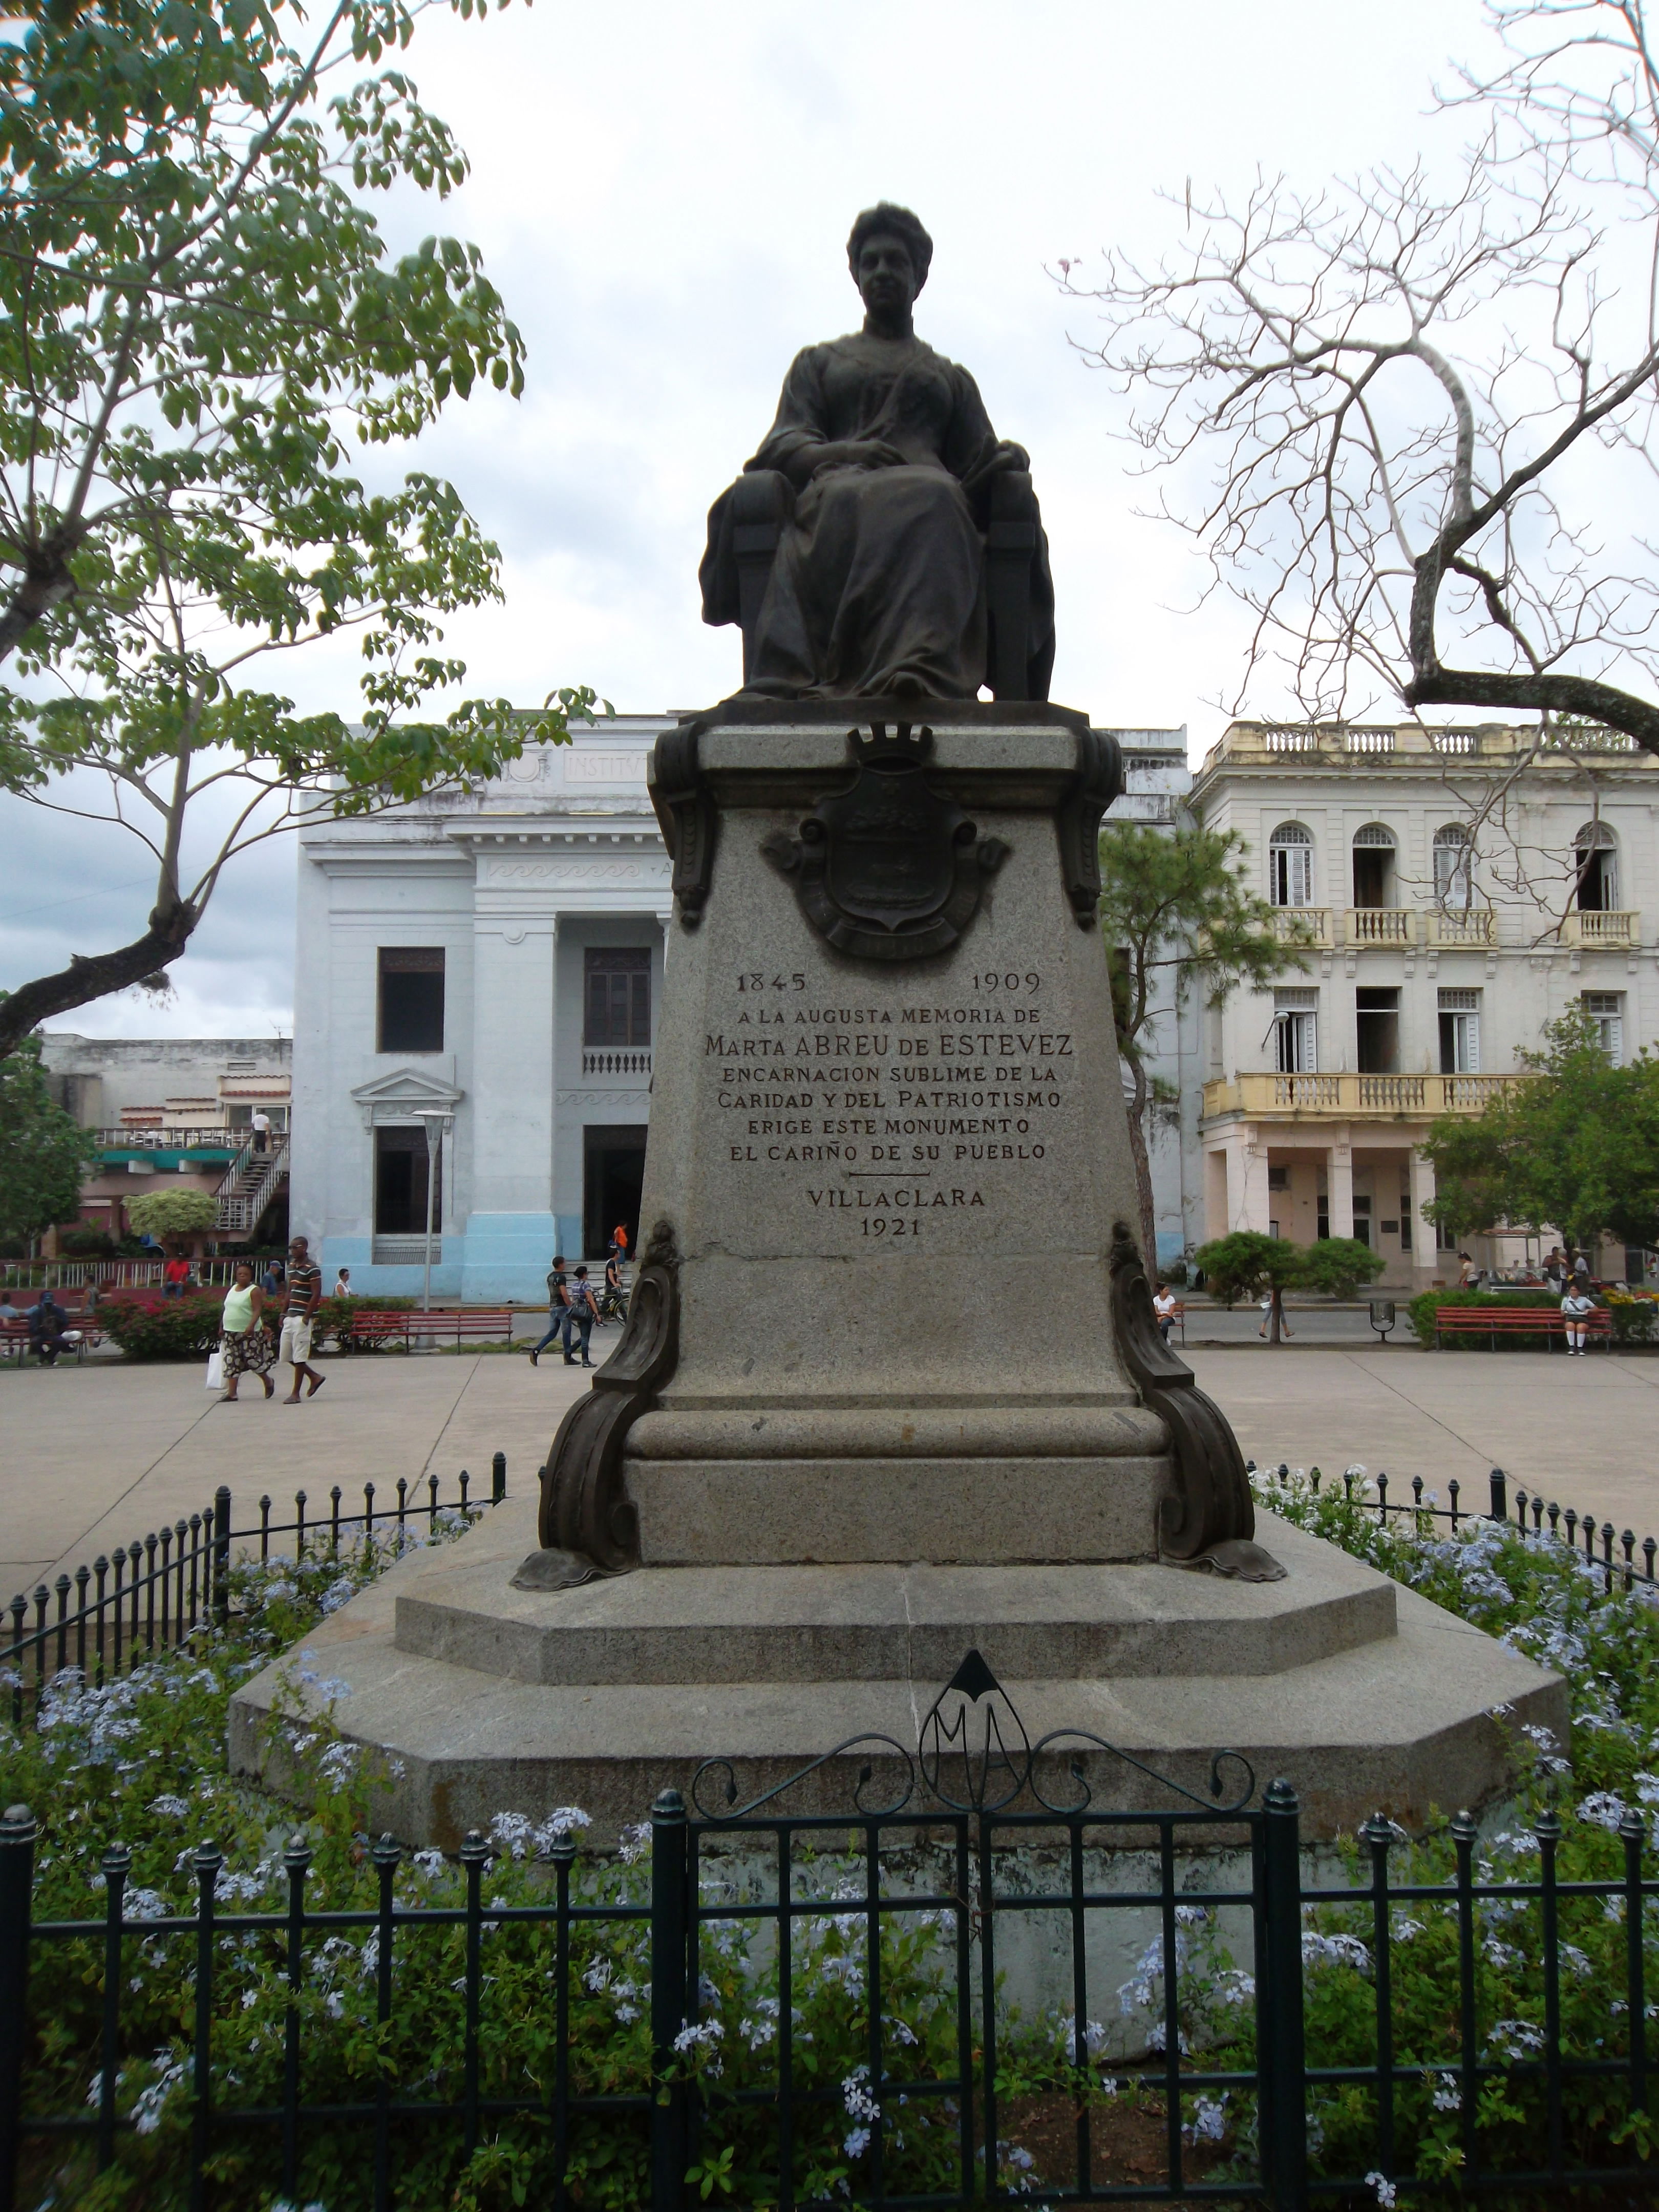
[(889, 248)]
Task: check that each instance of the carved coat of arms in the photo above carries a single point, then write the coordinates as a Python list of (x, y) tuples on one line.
[(889, 869)]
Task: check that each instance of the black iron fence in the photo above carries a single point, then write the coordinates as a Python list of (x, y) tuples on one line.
[(817, 2012), (1423, 1508), (163, 1588)]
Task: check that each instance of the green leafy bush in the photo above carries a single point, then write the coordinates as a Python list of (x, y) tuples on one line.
[(1340, 1265), (86, 1243), (149, 1327)]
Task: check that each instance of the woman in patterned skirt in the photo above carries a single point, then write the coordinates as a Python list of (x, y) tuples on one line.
[(246, 1344)]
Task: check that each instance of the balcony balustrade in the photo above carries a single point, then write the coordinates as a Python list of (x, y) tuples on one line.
[(1353, 1098), (1461, 925), (1380, 925), (1611, 927), (1305, 925), (612, 1060), (156, 1138)]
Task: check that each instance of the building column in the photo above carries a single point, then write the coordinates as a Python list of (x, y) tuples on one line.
[(1339, 1186), (510, 1228), (1216, 1222), (1247, 1185), (1425, 1252)]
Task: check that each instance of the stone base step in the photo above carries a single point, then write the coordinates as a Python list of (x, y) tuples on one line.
[(862, 1623)]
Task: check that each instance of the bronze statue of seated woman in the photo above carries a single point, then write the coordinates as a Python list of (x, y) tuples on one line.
[(883, 541)]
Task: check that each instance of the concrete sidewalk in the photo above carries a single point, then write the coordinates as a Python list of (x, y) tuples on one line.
[(94, 1456), (1583, 1432)]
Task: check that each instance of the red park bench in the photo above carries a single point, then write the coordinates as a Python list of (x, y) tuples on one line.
[(14, 1334), (374, 1329), (1495, 1321)]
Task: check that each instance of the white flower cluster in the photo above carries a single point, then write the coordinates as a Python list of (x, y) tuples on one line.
[(1209, 2120), (1319, 1950), (516, 1835), (861, 2108), (704, 2036)]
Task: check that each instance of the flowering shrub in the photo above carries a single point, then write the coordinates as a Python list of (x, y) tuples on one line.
[(151, 1327), (1635, 1315), (1542, 1598)]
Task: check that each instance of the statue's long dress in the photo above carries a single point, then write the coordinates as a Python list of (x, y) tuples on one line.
[(881, 572)]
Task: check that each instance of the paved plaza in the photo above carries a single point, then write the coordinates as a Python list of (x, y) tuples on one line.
[(93, 1456)]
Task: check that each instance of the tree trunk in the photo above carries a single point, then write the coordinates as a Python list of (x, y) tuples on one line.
[(1277, 1309), (85, 979), (1137, 1118)]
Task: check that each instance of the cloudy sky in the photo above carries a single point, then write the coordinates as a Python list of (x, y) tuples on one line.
[(663, 195)]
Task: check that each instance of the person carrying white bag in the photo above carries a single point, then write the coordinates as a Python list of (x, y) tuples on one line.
[(245, 1346)]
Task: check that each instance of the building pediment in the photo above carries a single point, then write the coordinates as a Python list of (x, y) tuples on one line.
[(403, 1095)]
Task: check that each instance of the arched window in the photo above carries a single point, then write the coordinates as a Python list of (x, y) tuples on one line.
[(1595, 856), (1454, 866), (1373, 866), (1290, 866)]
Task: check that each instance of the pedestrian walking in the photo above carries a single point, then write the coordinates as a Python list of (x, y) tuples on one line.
[(1576, 1308), (619, 1241), (304, 1295), (261, 1125), (1465, 1269), (1163, 1305), (580, 1314), (342, 1283), (1285, 1328), (245, 1345), (271, 1281), (558, 1305)]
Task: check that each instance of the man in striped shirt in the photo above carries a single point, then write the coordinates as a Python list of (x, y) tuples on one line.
[(305, 1295)]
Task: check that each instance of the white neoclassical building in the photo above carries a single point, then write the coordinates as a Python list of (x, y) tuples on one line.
[(477, 989), (478, 985), (1458, 895)]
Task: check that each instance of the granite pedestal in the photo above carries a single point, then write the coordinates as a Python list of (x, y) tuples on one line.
[(891, 1390)]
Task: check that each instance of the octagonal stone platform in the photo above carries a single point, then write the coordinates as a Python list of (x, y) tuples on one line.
[(1364, 1695)]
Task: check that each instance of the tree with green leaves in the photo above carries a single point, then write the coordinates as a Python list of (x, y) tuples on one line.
[(1248, 1265), (43, 1154), (1175, 907), (1572, 1151), (199, 322), (179, 1213)]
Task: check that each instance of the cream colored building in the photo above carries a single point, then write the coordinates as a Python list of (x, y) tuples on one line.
[(1455, 895)]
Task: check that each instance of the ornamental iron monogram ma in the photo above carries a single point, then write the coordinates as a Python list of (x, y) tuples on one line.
[(974, 1756), (889, 869)]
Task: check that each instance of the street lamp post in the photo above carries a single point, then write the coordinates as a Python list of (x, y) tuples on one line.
[(444, 1122)]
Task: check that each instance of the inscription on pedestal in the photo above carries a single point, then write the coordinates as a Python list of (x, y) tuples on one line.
[(882, 1114)]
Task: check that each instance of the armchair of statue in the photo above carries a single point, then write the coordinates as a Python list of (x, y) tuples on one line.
[(748, 520)]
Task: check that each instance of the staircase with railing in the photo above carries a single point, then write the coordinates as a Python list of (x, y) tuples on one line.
[(250, 1183)]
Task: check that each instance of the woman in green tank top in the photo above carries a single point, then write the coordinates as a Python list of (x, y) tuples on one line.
[(245, 1345)]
